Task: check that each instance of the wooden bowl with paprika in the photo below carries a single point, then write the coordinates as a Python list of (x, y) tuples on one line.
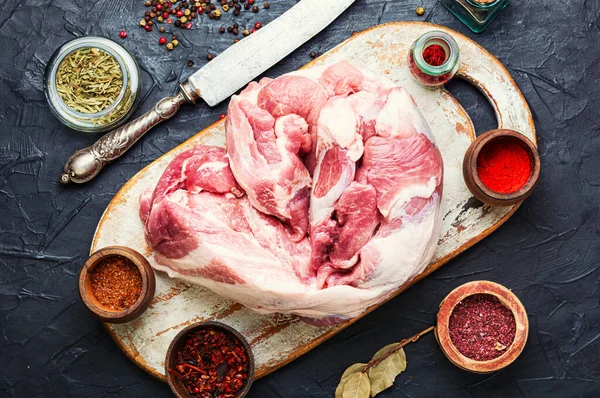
[(117, 284), (501, 167), (209, 359), (481, 327)]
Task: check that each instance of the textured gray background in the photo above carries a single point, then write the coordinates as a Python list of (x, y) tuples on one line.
[(548, 252)]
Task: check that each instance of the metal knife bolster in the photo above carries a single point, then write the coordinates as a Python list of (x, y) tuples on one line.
[(86, 163)]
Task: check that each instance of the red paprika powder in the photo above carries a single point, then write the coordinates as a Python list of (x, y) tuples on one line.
[(504, 166)]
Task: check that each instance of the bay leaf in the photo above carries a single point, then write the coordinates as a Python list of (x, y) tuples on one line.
[(357, 367), (384, 373), (357, 386)]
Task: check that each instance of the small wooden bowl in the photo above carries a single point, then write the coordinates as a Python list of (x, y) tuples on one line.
[(176, 385), (479, 189), (143, 301), (508, 299)]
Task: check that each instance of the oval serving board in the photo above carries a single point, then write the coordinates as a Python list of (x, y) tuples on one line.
[(278, 339)]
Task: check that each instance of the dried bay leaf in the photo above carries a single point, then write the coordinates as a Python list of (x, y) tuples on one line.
[(357, 367), (357, 386), (379, 373), (383, 374)]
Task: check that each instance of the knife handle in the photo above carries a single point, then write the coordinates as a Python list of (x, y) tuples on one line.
[(86, 163)]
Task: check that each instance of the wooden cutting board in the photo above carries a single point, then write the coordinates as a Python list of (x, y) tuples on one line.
[(279, 339)]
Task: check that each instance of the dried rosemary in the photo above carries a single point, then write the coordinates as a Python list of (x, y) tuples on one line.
[(89, 80)]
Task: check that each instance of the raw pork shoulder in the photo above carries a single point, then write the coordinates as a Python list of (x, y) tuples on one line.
[(326, 201)]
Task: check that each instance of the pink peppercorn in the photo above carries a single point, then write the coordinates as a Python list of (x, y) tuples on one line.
[(122, 34)]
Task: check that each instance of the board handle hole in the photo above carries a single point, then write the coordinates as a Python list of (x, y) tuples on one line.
[(475, 104)]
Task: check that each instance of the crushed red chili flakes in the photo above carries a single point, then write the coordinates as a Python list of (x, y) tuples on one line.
[(424, 78), (481, 328), (434, 55), (212, 363), (116, 283)]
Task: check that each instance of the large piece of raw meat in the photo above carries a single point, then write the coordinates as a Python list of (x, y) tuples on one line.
[(326, 200)]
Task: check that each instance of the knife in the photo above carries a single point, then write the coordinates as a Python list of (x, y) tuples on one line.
[(241, 63)]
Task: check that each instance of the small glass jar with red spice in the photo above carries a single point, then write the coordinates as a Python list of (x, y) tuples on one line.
[(433, 59)]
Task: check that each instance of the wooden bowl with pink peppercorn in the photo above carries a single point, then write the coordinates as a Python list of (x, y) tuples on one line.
[(482, 327)]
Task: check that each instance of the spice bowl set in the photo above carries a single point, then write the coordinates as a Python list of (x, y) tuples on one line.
[(501, 167), (481, 327), (117, 284)]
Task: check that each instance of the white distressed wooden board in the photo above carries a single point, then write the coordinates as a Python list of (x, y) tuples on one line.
[(278, 339)]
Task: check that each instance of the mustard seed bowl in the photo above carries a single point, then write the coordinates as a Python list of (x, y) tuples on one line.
[(87, 293), (507, 299)]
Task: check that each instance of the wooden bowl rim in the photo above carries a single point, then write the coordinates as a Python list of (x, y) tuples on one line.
[(170, 356), (508, 299), (144, 268), (499, 134)]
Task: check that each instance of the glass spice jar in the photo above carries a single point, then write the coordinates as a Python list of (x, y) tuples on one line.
[(443, 65), (108, 117), (476, 14)]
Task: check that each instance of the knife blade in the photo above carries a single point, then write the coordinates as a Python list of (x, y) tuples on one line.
[(256, 53), (241, 63)]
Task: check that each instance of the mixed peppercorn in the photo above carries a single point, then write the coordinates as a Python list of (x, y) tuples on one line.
[(181, 13), (211, 363)]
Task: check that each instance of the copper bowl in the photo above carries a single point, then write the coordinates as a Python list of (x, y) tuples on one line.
[(479, 189), (140, 305), (177, 385), (508, 299)]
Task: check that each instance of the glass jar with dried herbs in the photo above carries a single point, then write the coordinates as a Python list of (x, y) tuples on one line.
[(92, 84)]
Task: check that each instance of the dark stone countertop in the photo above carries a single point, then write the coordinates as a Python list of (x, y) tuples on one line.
[(548, 252)]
